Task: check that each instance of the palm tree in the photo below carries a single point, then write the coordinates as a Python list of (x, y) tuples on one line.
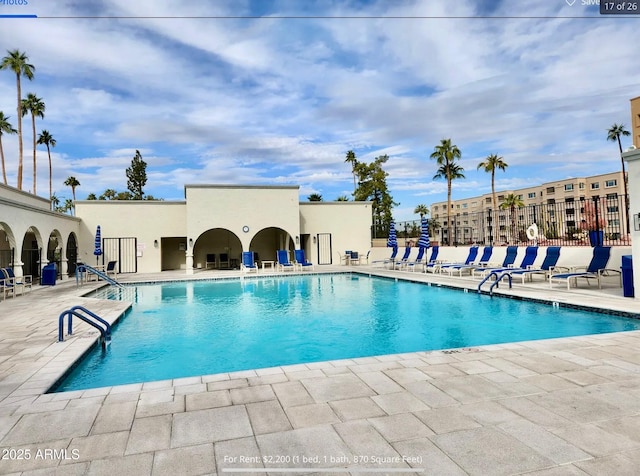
[(351, 159), (55, 201), (613, 135), (73, 183), (34, 105), (17, 62), (47, 139), (5, 128), (315, 197), (422, 210), (491, 164), (446, 154), (342, 198), (511, 202)]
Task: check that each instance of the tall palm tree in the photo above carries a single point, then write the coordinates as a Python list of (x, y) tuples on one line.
[(34, 105), (73, 183), (491, 164), (47, 139), (613, 135), (315, 197), (18, 63), (451, 171), (511, 202), (55, 202), (5, 128), (445, 155), (422, 210), (351, 159)]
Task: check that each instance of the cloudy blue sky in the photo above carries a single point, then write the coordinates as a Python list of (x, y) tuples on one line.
[(276, 92)]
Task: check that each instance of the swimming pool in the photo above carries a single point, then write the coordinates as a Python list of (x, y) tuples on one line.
[(194, 328)]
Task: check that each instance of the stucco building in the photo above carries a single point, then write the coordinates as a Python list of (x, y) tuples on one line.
[(209, 229)]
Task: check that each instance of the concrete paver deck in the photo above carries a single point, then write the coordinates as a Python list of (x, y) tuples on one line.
[(559, 406)]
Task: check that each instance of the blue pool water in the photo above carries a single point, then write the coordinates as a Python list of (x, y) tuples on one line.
[(204, 327)]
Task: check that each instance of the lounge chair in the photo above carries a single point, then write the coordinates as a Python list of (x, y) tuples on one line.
[(394, 253), (433, 260), (509, 259), (111, 269), (418, 261), (283, 261), (211, 261), (547, 266), (301, 260), (224, 260), (463, 268), (354, 257), (404, 259), (248, 262), (473, 253), (9, 285), (26, 281), (596, 270)]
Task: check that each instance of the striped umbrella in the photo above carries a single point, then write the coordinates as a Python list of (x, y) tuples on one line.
[(392, 241), (97, 250), (423, 242)]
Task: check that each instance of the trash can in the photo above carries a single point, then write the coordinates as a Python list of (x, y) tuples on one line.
[(49, 274), (627, 276)]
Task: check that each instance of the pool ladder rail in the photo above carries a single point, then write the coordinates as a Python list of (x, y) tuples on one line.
[(85, 268), (499, 275), (90, 318)]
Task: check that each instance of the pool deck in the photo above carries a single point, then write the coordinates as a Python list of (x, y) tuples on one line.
[(567, 406)]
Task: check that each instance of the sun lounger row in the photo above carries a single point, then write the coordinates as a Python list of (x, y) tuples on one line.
[(524, 270), (11, 285), (282, 263)]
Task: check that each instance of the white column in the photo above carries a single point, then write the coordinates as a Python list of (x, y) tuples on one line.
[(64, 265), (17, 269), (189, 261)]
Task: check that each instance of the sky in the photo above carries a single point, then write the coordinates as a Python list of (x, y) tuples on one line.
[(275, 92)]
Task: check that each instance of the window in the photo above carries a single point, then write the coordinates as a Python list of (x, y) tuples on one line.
[(569, 200), (551, 201), (551, 190), (571, 224), (610, 183), (487, 200), (458, 206), (614, 222), (595, 185), (612, 196), (464, 205), (581, 185), (568, 187), (570, 211), (520, 196), (613, 209), (531, 195), (474, 204), (500, 198)]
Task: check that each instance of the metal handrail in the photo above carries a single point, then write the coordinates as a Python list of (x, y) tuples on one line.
[(499, 275), (90, 269), (90, 318)]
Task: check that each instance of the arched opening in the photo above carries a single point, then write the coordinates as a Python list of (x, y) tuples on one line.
[(72, 253), (54, 250), (7, 246), (268, 241), (31, 253), (217, 248)]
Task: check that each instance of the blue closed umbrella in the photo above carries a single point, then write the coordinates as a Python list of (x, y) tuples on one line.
[(392, 241), (97, 250), (423, 242)]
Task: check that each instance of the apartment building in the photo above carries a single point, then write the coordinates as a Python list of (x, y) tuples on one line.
[(635, 121), (556, 207)]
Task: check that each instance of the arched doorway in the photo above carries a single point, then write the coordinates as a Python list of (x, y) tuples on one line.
[(54, 250), (7, 246), (217, 248), (268, 241), (31, 253), (72, 253)]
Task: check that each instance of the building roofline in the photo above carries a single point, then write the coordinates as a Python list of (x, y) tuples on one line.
[(338, 202)]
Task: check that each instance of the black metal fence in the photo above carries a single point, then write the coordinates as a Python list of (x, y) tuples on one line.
[(589, 222)]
